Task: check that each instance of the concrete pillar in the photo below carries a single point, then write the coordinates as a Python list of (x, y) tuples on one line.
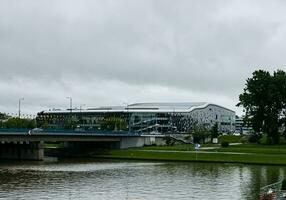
[(22, 150), (127, 142)]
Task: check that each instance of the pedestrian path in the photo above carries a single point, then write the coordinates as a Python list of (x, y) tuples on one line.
[(202, 152)]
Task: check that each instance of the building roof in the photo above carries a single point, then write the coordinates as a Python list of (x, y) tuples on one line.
[(167, 107), (144, 107)]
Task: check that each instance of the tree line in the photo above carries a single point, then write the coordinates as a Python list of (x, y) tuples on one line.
[(16, 122)]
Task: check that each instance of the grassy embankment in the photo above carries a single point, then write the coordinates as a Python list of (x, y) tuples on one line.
[(244, 153), (253, 154)]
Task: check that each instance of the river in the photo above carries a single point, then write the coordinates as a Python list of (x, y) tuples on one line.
[(133, 180)]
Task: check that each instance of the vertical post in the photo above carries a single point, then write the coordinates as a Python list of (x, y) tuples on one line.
[(80, 108), (197, 146), (128, 117), (21, 99), (70, 98)]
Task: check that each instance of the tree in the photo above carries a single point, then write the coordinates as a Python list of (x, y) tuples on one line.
[(264, 100), (214, 131), (16, 122), (200, 133), (3, 116)]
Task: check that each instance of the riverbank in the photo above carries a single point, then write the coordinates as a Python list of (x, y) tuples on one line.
[(245, 154)]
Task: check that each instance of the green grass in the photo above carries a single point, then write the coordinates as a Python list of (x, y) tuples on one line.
[(230, 139), (200, 157), (255, 148), (253, 154), (180, 147)]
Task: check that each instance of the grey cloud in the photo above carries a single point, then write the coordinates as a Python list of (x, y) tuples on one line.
[(207, 47)]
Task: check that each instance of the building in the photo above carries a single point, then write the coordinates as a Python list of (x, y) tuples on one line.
[(241, 127), (145, 118)]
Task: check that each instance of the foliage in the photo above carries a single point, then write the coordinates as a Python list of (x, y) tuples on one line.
[(230, 138), (254, 138), (264, 100), (224, 144), (16, 122), (214, 131), (169, 141), (113, 123), (3, 116), (200, 133)]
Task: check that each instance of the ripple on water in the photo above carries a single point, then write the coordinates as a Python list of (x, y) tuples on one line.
[(132, 180)]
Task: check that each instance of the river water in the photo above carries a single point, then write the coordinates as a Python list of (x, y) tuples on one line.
[(131, 180)]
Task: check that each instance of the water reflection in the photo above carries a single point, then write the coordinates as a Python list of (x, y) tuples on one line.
[(91, 179)]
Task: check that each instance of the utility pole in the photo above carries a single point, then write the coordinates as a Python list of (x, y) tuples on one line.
[(21, 99), (80, 108), (70, 117), (70, 98), (128, 117)]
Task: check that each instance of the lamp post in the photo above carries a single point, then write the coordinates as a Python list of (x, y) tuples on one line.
[(70, 98), (80, 108), (128, 117), (70, 117), (21, 99)]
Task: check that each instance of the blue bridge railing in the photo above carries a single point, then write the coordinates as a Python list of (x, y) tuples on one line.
[(67, 131)]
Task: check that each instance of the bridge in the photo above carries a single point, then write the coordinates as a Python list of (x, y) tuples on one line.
[(25, 144)]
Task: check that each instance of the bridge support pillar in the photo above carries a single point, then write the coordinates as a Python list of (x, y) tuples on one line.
[(22, 150)]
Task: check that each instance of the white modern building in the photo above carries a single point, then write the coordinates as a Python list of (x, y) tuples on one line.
[(144, 117), (241, 127)]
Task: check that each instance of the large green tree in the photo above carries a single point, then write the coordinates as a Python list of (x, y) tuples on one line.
[(264, 101)]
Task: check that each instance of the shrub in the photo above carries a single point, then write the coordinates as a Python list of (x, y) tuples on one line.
[(229, 138), (169, 141), (254, 138), (224, 144)]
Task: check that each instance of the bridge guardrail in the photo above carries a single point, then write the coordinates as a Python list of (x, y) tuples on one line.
[(67, 131), (272, 191)]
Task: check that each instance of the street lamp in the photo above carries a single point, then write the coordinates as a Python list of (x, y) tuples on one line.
[(80, 107), (128, 116), (70, 98), (21, 99)]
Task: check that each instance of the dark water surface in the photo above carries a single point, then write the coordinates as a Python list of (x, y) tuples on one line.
[(113, 179)]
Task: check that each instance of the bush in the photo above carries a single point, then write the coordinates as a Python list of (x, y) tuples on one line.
[(169, 141), (230, 138), (224, 144), (254, 138), (262, 140)]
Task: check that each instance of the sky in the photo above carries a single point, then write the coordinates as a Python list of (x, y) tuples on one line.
[(119, 52)]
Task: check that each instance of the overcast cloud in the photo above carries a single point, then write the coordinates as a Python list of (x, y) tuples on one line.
[(126, 51)]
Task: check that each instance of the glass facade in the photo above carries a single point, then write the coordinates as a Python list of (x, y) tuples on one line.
[(138, 120)]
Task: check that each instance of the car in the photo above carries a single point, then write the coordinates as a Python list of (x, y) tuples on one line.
[(36, 130)]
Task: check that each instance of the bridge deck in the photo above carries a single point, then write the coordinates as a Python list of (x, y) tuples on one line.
[(53, 136)]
